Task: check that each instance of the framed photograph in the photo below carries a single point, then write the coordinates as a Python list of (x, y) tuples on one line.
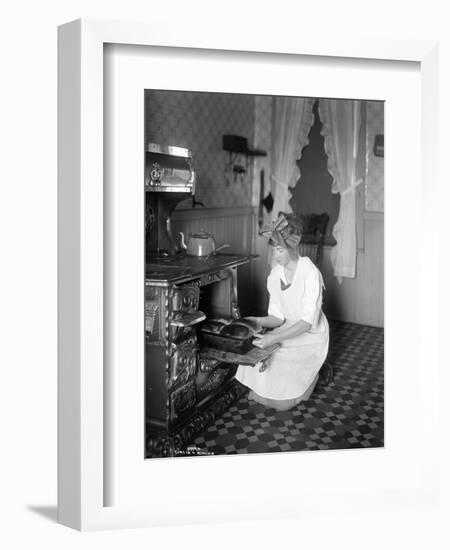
[(172, 177)]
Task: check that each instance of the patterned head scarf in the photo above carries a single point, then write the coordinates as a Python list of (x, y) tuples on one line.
[(281, 233)]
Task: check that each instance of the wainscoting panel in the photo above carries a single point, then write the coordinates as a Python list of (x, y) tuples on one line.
[(359, 300), (234, 226)]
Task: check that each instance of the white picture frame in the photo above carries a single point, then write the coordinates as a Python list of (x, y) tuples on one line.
[(81, 480)]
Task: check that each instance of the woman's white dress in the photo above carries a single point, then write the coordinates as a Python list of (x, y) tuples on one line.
[(293, 369)]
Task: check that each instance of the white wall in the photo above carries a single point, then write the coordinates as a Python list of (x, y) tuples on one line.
[(359, 300), (28, 275)]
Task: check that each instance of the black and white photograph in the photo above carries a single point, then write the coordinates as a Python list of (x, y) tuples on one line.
[(264, 278), (225, 306)]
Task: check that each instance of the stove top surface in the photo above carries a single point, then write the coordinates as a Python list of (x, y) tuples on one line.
[(166, 269)]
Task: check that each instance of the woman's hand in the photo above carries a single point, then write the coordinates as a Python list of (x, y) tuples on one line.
[(264, 340)]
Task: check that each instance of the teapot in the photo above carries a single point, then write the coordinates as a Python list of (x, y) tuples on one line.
[(199, 244)]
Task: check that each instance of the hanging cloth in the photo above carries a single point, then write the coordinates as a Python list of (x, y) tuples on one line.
[(341, 121), (293, 120)]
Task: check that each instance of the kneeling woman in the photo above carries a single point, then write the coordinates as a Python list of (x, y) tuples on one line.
[(297, 322)]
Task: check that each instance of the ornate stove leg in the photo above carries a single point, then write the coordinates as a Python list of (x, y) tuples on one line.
[(160, 447)]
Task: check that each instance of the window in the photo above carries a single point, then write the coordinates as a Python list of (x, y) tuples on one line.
[(312, 193)]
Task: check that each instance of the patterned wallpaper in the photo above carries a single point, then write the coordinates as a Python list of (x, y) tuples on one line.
[(197, 120), (374, 165)]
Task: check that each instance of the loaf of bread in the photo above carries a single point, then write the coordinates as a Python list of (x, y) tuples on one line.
[(213, 326), (236, 330)]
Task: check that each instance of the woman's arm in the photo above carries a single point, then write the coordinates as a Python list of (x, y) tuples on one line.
[(269, 321), (278, 336)]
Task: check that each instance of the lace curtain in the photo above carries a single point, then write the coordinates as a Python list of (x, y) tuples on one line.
[(341, 121), (293, 121)]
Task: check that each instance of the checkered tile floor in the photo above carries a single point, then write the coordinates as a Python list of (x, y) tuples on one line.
[(348, 413)]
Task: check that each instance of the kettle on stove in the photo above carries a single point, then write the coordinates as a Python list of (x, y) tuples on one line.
[(201, 243)]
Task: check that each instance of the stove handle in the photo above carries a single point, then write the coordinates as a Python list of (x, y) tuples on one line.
[(189, 320)]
